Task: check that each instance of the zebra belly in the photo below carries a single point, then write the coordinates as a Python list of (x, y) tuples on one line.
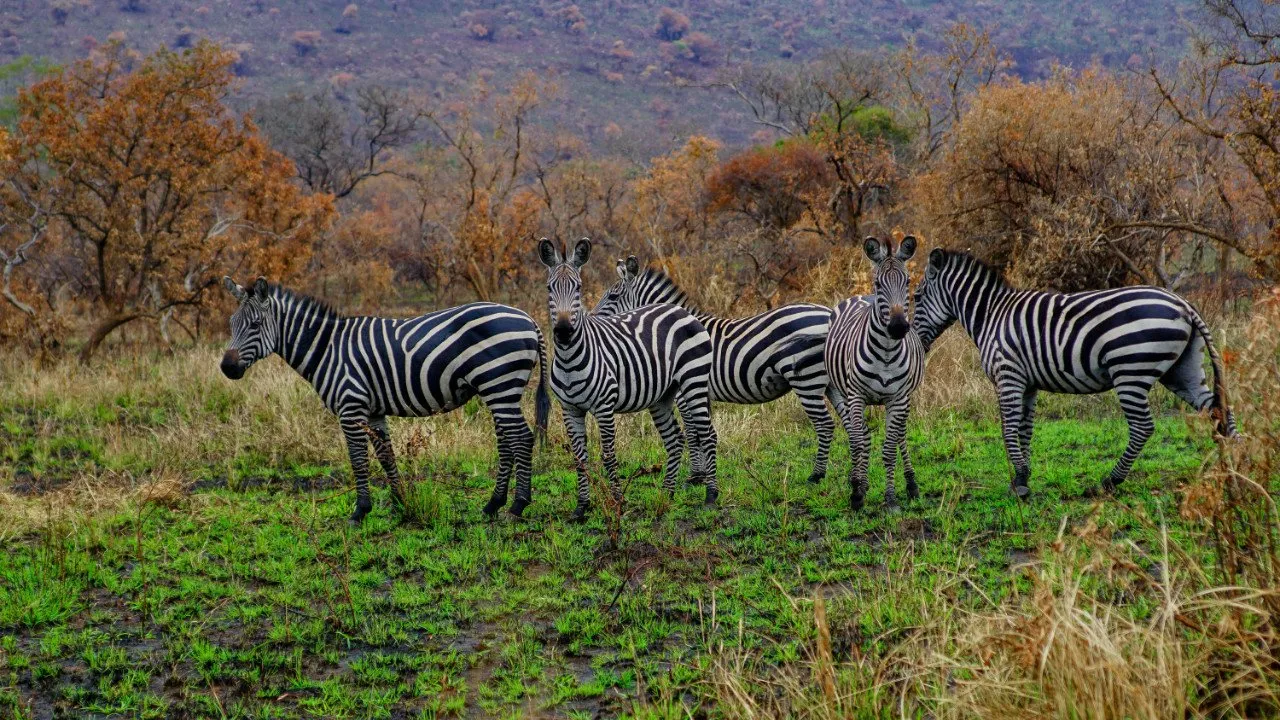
[(765, 374)]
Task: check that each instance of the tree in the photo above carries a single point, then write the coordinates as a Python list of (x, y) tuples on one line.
[(1068, 182), (335, 146), (153, 189), (476, 204), (773, 186), (1226, 94), (934, 88), (672, 25)]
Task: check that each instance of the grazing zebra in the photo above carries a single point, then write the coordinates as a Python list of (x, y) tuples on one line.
[(645, 359), (366, 368), (1086, 342), (874, 358), (755, 359)]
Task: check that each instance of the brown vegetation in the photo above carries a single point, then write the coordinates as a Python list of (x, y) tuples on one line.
[(128, 194), (1083, 179)]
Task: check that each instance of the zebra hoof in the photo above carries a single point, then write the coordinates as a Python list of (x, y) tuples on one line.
[(856, 501), (492, 507), (816, 477), (891, 508), (579, 514), (712, 496), (1022, 491), (362, 509), (517, 507)]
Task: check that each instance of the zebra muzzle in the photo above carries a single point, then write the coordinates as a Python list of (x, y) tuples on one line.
[(898, 324), (563, 329), (231, 365)]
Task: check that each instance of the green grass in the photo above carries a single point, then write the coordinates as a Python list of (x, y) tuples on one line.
[(257, 599)]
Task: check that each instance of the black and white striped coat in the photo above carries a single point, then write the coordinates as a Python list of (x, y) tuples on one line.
[(368, 368), (1088, 342), (874, 358), (646, 359), (755, 359)]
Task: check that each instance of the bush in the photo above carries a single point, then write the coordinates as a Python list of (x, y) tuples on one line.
[(701, 47), (1038, 177), (672, 25), (305, 42)]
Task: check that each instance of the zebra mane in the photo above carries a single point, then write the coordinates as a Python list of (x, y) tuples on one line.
[(967, 261), (654, 284), (306, 302)]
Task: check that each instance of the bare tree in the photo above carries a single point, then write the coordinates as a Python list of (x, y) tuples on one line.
[(337, 145)]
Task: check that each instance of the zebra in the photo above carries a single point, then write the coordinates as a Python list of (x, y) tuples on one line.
[(755, 359), (875, 358), (643, 359), (367, 368), (1078, 343)]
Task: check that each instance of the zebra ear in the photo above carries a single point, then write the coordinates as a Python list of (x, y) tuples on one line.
[(937, 256), (236, 291), (874, 249), (621, 269), (907, 248), (549, 253), (581, 252), (260, 288), (633, 265)]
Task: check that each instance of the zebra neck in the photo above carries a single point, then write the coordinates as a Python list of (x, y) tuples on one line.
[(577, 339), (306, 333)]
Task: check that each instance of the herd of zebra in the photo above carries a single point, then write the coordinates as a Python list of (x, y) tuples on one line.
[(646, 347)]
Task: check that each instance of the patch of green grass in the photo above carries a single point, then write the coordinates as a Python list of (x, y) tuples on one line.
[(259, 600)]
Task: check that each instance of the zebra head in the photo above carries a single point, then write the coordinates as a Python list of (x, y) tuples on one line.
[(891, 285), (621, 296), (564, 287), (935, 309), (253, 327)]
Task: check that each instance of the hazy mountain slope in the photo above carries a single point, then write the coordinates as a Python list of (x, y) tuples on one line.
[(436, 47)]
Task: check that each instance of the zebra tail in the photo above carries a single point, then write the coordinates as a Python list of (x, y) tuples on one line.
[(542, 400), (1226, 422)]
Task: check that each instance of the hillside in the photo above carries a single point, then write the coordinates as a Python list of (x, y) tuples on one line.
[(607, 55)]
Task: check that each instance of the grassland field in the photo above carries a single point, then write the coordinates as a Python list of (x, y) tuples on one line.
[(175, 544)]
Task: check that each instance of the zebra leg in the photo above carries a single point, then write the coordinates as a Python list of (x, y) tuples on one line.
[(386, 456), (353, 429), (1011, 398), (608, 433), (895, 430), (853, 414), (502, 481), (672, 439), (697, 461), (1028, 424), (519, 439), (815, 406), (575, 425), (1133, 400), (699, 420)]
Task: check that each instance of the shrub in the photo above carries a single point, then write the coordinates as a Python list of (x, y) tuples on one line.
[(672, 25), (305, 42), (701, 47)]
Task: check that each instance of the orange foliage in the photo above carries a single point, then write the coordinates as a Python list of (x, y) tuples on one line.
[(672, 25), (152, 189), (773, 185)]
